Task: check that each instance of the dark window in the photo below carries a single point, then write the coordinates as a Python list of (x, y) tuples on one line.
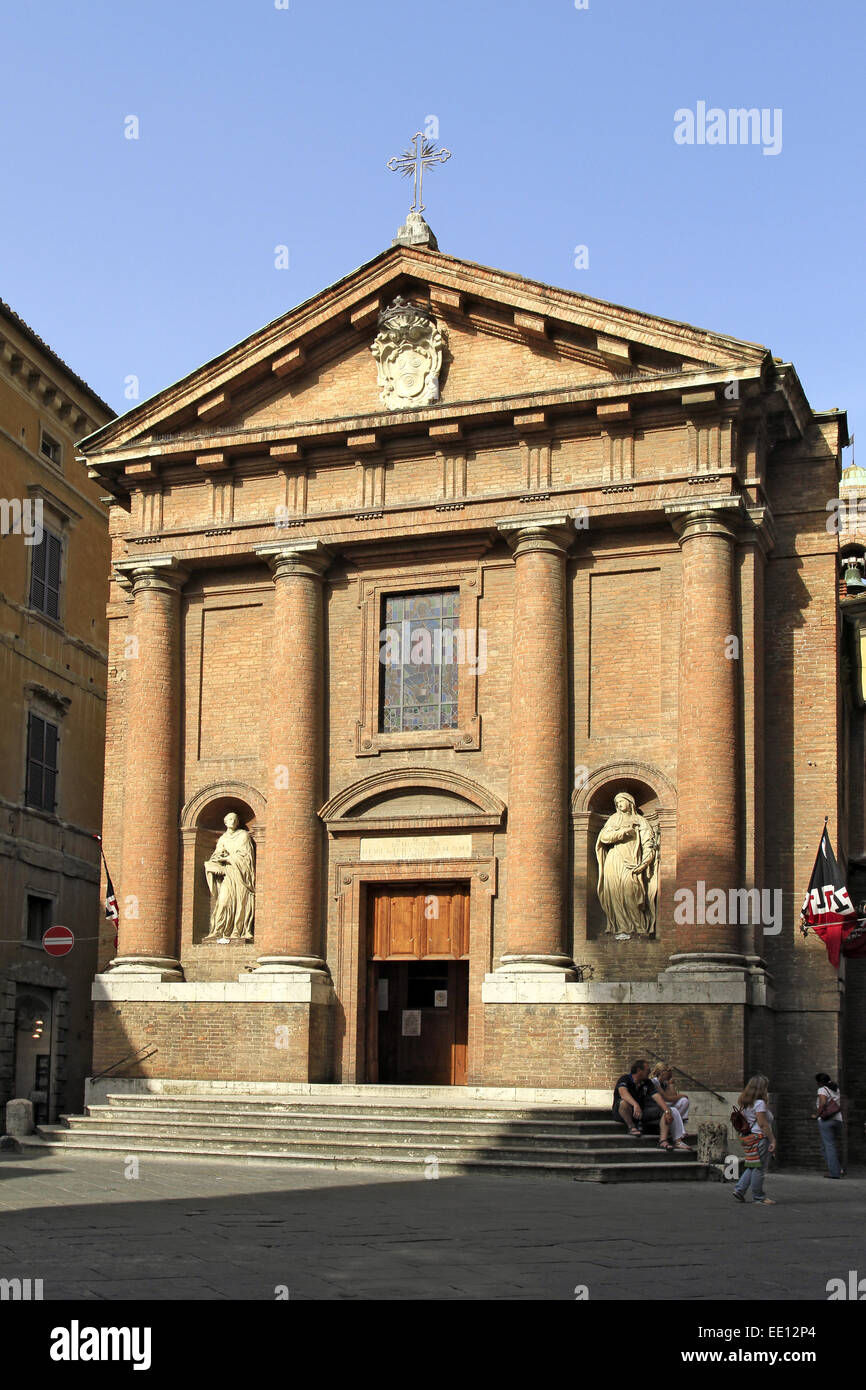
[(42, 740), (51, 448), (38, 917), (45, 575), (419, 653)]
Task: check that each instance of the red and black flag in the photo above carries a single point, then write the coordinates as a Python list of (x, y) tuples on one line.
[(112, 911), (828, 910)]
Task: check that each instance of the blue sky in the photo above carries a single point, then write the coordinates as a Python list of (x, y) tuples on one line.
[(262, 127)]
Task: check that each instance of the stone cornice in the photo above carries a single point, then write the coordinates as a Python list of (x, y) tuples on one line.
[(640, 389), (25, 373)]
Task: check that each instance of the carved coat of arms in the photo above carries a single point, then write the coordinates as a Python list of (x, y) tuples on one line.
[(408, 352)]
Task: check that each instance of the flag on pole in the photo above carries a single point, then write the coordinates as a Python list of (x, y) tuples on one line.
[(827, 908), (112, 911)]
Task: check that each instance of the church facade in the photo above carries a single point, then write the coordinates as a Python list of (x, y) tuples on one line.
[(474, 700)]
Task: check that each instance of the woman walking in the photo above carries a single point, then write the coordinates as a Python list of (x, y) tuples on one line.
[(758, 1143), (829, 1117)]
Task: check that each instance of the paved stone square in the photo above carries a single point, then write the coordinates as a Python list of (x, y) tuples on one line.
[(202, 1230)]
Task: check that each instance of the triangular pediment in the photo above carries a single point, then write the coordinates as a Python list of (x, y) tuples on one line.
[(503, 337)]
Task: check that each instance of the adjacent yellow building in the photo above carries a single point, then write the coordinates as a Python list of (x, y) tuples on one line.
[(54, 564)]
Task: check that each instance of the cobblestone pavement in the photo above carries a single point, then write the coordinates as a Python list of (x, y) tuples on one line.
[(189, 1229)]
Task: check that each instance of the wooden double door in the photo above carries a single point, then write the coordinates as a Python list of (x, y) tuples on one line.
[(418, 985)]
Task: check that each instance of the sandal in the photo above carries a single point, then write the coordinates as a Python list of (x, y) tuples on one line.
[(636, 1132), (683, 1148), (663, 1144)]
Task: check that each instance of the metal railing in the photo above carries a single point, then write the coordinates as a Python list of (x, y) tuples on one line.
[(130, 1056)]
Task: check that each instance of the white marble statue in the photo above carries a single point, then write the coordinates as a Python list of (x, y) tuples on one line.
[(627, 851), (231, 879)]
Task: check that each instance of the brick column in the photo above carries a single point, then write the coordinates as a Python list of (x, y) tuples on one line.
[(147, 944), (538, 810), (288, 928), (708, 780)]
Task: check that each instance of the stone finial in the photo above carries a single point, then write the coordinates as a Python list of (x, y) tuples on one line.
[(415, 231)]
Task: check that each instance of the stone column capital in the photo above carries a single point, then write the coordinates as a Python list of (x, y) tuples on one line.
[(760, 530), (154, 572), (308, 558), (709, 516), (550, 532)]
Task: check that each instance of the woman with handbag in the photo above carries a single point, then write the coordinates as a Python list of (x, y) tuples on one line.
[(756, 1137), (829, 1117)]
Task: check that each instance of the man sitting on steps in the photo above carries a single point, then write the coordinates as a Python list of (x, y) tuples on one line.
[(637, 1105)]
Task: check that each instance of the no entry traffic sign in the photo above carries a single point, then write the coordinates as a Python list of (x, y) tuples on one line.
[(58, 941)]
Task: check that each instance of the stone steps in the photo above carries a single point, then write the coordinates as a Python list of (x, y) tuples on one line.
[(420, 1134), (348, 1141), (358, 1106), (334, 1118)]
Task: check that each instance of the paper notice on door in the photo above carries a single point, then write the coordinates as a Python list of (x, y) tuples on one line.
[(411, 1023), (440, 998)]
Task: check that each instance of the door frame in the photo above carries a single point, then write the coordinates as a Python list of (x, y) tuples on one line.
[(352, 880)]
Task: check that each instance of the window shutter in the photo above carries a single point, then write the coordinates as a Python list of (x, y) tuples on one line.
[(52, 575), (49, 781), (37, 574), (35, 750)]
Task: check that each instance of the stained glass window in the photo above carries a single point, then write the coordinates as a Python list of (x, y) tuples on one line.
[(419, 652)]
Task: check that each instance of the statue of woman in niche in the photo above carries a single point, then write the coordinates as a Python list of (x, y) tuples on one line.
[(231, 879), (628, 871)]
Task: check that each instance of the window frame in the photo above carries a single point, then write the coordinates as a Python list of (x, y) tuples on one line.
[(47, 723), (404, 595), (467, 580), (57, 444), (47, 898)]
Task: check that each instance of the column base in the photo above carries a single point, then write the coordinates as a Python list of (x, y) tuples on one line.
[(299, 967), (708, 962), (154, 968), (536, 967)]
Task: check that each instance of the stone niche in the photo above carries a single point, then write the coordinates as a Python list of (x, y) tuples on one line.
[(201, 827), (655, 798)]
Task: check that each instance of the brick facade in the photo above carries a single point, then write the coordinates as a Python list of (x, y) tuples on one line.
[(53, 668), (632, 514)]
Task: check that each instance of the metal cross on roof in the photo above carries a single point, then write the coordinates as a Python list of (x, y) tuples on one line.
[(415, 160)]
